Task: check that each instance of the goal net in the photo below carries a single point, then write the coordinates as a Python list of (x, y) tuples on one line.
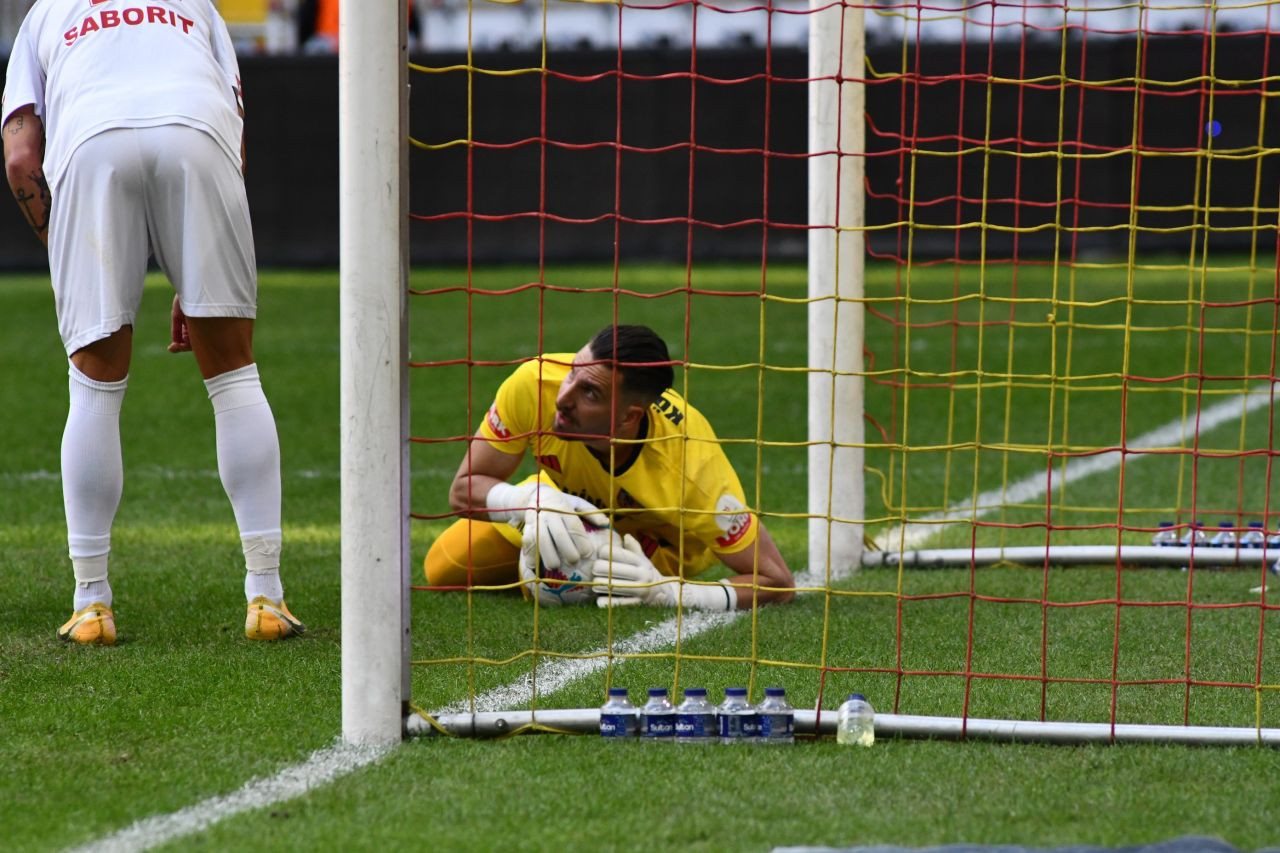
[(989, 287)]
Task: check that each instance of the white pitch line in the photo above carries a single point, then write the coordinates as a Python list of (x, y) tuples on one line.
[(559, 672), (322, 767), (1175, 433), (326, 765)]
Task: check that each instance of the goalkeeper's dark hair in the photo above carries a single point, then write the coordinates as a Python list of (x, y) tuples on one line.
[(639, 355)]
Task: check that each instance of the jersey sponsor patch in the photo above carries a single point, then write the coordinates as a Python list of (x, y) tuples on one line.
[(132, 16), (732, 518), (495, 423)]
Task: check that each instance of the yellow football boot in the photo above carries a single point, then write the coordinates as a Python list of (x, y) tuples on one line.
[(271, 620), (91, 625)]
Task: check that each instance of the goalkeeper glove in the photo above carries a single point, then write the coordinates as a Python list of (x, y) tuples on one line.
[(548, 516), (626, 576)]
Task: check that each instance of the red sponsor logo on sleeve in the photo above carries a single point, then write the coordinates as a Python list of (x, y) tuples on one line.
[(496, 425), (733, 519)]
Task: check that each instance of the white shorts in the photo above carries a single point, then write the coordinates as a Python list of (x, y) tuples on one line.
[(170, 190)]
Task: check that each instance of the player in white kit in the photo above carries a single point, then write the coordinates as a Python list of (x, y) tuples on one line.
[(122, 123)]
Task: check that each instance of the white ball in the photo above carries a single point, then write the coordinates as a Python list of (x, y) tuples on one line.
[(565, 585), (568, 584)]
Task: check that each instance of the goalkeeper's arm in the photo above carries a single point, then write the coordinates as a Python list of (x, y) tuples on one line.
[(551, 521), (482, 468), (762, 575)]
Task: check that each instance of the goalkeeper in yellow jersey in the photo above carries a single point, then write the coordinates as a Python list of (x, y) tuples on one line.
[(633, 494)]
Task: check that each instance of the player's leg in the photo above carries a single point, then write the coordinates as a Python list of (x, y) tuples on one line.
[(97, 258), (199, 221), (474, 553)]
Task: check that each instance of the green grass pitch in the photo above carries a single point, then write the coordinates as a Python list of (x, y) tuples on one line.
[(184, 708)]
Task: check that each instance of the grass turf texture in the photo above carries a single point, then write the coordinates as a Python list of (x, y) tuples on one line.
[(185, 708)]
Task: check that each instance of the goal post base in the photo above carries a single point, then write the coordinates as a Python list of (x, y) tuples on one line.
[(492, 724)]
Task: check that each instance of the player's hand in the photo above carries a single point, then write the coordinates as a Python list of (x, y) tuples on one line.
[(626, 576), (179, 335), (552, 521)]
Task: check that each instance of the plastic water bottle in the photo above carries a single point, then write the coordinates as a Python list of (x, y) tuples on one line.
[(1194, 534), (1254, 537), (856, 721), (1225, 537), (695, 717), (737, 717), (777, 717), (618, 717), (658, 716), (1166, 536)]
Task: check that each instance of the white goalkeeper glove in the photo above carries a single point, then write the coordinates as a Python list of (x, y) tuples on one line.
[(626, 576), (571, 583), (548, 517)]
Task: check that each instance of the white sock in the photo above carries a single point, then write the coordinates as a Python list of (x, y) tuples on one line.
[(263, 583), (249, 465), (91, 592), (92, 479)]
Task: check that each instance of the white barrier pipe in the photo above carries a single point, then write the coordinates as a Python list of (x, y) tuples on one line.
[(1201, 556), (587, 720)]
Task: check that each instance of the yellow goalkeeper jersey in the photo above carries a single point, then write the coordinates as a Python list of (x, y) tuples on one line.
[(678, 494)]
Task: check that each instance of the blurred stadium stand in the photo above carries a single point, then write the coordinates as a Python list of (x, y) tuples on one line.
[(271, 26)]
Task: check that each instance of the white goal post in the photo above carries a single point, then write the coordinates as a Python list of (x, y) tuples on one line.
[(373, 172), (836, 509)]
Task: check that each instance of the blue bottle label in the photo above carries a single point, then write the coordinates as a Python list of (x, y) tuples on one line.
[(658, 725), (776, 725), (695, 725), (617, 725), (739, 726)]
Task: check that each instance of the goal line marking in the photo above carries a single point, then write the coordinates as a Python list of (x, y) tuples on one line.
[(326, 765)]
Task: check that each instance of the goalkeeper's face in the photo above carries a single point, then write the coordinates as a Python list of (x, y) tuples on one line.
[(585, 408)]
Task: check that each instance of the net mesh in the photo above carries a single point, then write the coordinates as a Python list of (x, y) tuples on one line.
[(1071, 311)]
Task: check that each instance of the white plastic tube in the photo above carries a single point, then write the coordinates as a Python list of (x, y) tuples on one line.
[(587, 720), (1202, 556)]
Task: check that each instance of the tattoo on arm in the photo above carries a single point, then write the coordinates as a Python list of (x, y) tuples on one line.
[(36, 200), (17, 125)]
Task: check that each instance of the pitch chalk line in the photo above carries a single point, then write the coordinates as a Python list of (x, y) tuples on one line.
[(1175, 433), (331, 763), (321, 767)]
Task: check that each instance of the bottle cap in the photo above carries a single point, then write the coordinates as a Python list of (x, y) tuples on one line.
[(657, 691), (617, 691), (1226, 524), (1255, 524), (735, 691), (1166, 524), (695, 691), (857, 697), (775, 691)]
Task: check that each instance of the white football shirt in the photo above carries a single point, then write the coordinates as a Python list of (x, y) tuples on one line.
[(92, 65)]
